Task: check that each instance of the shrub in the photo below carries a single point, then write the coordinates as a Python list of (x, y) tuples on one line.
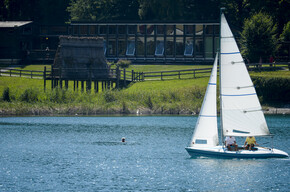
[(125, 108), (148, 102), (124, 63), (6, 95), (109, 96), (273, 90), (29, 95), (60, 96)]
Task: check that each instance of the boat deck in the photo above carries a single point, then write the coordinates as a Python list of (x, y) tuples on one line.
[(222, 152)]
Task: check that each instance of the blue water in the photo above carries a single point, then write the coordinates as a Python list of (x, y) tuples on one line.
[(85, 154)]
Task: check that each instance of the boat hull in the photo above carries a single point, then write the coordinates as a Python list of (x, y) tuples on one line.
[(221, 152)]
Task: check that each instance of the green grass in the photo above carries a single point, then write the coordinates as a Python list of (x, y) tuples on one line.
[(171, 96), (35, 67), (168, 96)]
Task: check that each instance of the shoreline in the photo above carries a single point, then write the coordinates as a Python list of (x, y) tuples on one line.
[(277, 111), (117, 112)]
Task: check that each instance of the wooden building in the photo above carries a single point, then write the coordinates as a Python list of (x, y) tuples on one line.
[(81, 58), (16, 39), (145, 43)]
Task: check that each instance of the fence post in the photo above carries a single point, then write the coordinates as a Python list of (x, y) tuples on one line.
[(89, 82), (44, 78), (132, 75), (179, 74), (82, 86), (118, 77), (60, 77), (10, 72), (52, 77), (124, 71), (20, 73), (31, 74), (194, 73), (66, 84), (161, 75)]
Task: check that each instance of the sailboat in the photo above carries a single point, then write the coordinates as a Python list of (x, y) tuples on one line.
[(240, 110)]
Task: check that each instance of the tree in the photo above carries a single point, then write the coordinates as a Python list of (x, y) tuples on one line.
[(53, 11), (236, 11), (39, 11), (160, 9), (285, 36), (21, 10), (285, 40), (201, 10), (118, 10), (3, 11), (283, 14), (103, 10), (258, 39), (82, 10)]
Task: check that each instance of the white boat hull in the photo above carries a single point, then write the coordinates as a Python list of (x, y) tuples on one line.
[(222, 152)]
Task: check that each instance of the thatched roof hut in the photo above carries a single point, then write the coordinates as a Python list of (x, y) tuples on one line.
[(81, 58)]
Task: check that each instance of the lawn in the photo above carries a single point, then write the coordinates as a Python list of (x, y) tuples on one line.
[(167, 96)]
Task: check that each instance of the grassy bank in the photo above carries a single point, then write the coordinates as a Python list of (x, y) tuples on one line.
[(164, 97), (26, 96)]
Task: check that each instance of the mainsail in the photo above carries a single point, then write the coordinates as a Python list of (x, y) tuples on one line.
[(206, 131), (241, 111)]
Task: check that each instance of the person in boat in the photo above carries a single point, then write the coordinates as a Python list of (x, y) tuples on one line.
[(250, 143), (231, 142)]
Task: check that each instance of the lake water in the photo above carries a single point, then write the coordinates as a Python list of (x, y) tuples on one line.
[(85, 154)]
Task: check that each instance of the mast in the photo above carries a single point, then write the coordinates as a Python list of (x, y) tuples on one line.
[(221, 119)]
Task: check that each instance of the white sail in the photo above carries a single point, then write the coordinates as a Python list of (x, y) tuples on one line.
[(206, 131), (241, 111)]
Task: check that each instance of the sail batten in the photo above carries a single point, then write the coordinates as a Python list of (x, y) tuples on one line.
[(240, 95), (231, 53), (240, 107)]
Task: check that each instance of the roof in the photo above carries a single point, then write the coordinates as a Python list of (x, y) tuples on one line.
[(8, 24)]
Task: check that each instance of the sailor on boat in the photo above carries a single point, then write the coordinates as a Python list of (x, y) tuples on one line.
[(250, 143), (231, 142)]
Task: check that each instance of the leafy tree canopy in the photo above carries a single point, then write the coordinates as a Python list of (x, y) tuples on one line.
[(259, 37), (285, 36), (40, 11)]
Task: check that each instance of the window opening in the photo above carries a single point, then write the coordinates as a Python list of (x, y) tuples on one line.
[(159, 51), (130, 48)]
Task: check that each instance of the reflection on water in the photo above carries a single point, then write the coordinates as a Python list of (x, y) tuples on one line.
[(86, 154)]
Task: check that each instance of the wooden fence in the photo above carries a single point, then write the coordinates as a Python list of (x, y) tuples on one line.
[(24, 73), (131, 75), (177, 74), (122, 77)]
